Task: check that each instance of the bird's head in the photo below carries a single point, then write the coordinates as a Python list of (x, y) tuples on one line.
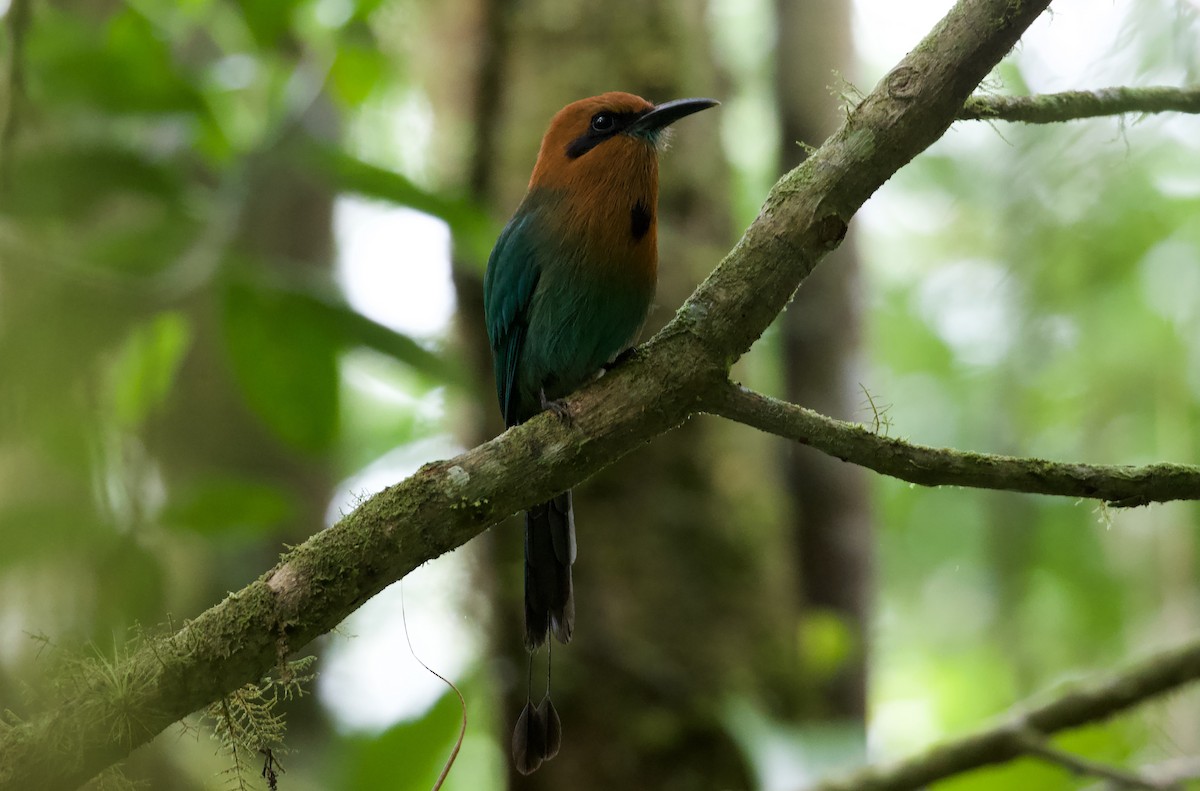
[(613, 128)]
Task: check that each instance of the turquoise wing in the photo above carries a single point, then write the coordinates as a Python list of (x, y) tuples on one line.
[(512, 277)]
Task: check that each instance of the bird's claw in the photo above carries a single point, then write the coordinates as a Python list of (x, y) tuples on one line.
[(559, 408)]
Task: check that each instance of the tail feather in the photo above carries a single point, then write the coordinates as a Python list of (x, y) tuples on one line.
[(549, 553)]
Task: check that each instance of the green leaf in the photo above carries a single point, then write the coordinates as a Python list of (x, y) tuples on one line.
[(41, 527), (284, 359), (375, 419), (408, 756), (355, 72), (123, 66), (134, 585), (221, 505), (145, 246), (269, 21), (826, 643), (70, 182), (145, 367), (102, 206), (474, 233), (350, 329), (364, 8)]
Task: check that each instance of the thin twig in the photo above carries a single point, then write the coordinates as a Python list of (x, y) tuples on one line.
[(1117, 485), (462, 728), (1170, 774), (1050, 108), (1079, 705), (1034, 744)]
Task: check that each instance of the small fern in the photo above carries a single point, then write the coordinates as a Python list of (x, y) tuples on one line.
[(248, 724)]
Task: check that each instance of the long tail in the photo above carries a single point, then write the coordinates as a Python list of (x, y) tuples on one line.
[(549, 553)]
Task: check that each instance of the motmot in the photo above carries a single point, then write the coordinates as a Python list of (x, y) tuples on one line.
[(567, 288)]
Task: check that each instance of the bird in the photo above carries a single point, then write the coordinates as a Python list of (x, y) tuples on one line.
[(567, 288)]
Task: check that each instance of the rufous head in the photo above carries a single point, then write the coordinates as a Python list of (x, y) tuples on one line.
[(609, 130)]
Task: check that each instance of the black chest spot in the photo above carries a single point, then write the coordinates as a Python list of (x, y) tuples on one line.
[(639, 220)]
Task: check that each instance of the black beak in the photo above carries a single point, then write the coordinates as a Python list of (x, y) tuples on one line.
[(667, 113)]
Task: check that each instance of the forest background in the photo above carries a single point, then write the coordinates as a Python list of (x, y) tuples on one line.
[(240, 262)]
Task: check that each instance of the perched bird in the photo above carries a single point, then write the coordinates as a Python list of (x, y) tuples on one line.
[(568, 286)]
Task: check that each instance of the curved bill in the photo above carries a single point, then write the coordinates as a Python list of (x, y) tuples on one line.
[(667, 113)]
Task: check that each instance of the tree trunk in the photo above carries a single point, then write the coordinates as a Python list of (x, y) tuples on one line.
[(661, 645), (821, 335)]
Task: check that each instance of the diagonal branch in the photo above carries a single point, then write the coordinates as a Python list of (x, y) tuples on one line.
[(1117, 485), (1049, 108), (443, 505), (1076, 706), (807, 211)]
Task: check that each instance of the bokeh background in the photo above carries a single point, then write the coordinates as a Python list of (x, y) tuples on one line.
[(241, 254)]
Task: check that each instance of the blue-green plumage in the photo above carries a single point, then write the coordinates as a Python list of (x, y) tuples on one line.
[(557, 310)]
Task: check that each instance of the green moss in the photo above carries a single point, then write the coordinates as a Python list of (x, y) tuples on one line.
[(979, 106)]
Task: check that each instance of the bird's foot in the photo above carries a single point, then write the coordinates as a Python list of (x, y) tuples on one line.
[(559, 409)]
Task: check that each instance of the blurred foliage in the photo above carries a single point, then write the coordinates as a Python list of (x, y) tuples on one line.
[(372, 762), (1032, 290), (143, 137), (1036, 291)]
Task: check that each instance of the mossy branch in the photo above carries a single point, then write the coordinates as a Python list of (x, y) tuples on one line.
[(1117, 485), (1052, 108), (1011, 737)]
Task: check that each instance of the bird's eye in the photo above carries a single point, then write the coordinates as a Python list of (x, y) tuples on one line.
[(602, 122)]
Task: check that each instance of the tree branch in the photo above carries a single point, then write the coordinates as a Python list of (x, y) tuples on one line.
[(1034, 745), (1050, 108), (1123, 486), (1172, 774), (444, 504), (1008, 740)]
